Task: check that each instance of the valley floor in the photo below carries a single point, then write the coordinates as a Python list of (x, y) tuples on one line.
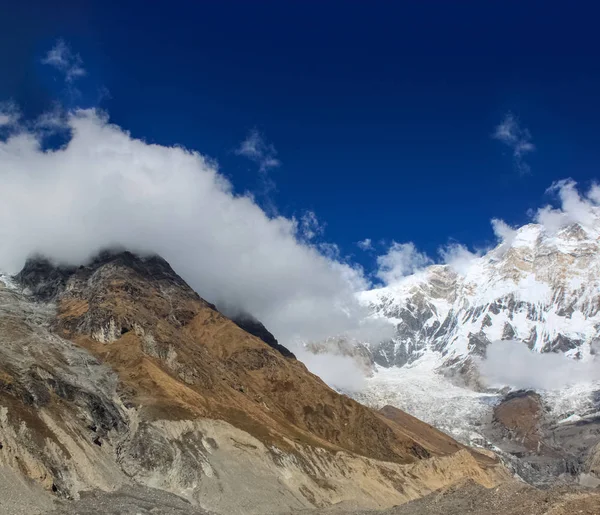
[(469, 498), (507, 499)]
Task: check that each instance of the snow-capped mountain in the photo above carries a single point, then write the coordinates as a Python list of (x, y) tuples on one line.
[(537, 286)]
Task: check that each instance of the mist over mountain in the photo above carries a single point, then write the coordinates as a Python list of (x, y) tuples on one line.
[(104, 189)]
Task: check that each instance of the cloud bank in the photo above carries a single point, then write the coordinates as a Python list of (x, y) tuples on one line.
[(338, 371), (517, 138), (105, 188), (512, 363)]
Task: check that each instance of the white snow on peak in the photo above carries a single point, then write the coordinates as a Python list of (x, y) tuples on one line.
[(540, 286), (527, 236)]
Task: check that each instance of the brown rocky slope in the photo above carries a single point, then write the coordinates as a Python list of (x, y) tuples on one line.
[(118, 373)]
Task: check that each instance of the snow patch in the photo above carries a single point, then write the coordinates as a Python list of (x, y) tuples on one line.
[(422, 392), (7, 281)]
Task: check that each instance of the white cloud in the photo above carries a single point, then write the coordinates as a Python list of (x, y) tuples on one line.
[(512, 363), (504, 232), (402, 259), (256, 149), (9, 114), (517, 138), (64, 60), (574, 208), (365, 244), (458, 257), (105, 188)]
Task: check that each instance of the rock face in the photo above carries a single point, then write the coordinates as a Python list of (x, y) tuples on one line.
[(249, 324), (520, 414), (117, 374), (542, 450)]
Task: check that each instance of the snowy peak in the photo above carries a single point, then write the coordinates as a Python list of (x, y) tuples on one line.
[(538, 286)]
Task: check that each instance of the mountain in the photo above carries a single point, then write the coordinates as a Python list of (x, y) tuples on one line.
[(117, 377), (539, 287)]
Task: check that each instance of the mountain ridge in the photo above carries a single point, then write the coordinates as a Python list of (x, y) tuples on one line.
[(538, 287), (130, 377)]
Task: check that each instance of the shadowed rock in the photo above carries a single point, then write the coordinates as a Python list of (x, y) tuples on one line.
[(249, 324)]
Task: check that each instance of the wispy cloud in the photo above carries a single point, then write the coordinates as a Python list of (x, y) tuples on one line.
[(404, 259), (65, 61), (518, 138), (310, 227), (9, 114), (255, 148), (365, 244)]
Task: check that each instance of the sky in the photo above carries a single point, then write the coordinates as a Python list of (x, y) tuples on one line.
[(304, 150), (381, 114)]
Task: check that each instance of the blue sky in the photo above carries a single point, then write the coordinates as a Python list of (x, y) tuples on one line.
[(381, 115)]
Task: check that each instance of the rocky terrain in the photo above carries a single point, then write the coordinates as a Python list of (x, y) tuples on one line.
[(117, 377), (506, 499), (463, 498), (540, 449)]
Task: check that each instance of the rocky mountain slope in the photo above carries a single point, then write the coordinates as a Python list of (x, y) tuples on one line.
[(117, 374), (539, 287)]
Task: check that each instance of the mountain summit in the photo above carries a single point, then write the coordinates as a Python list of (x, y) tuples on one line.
[(538, 287)]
